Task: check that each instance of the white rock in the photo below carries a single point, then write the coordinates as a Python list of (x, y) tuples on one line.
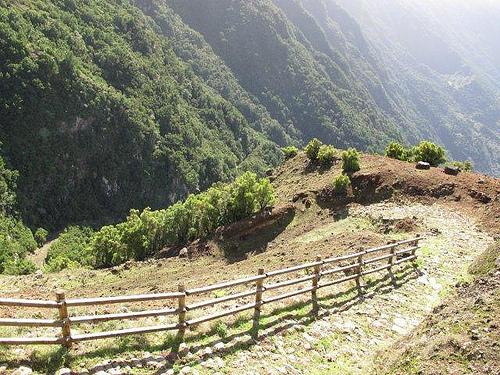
[(64, 371), (183, 253), (219, 347), (183, 350), (23, 370), (207, 352)]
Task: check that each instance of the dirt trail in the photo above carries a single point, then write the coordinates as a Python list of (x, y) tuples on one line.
[(345, 341), (38, 257)]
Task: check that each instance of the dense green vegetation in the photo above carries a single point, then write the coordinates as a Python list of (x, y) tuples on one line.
[(326, 155), (40, 236), (312, 149), (341, 183), (425, 151), (107, 116), (350, 161), (145, 233), (16, 240), (290, 151), (70, 250)]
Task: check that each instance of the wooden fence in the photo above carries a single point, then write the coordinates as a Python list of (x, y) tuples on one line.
[(318, 274)]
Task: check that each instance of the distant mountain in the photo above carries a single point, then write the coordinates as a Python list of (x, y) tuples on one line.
[(105, 106)]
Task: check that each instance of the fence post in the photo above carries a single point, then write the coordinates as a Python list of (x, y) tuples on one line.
[(63, 316), (182, 313), (315, 280), (415, 244), (258, 303), (414, 253), (391, 262), (358, 271)]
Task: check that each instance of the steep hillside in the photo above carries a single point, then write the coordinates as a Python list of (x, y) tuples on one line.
[(98, 114), (441, 63), (301, 87)]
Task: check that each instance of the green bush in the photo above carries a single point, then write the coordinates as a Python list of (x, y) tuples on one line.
[(430, 153), (41, 236), (464, 166), (16, 241), (8, 183), (290, 152), (350, 161), (145, 233), (70, 250), (326, 155), (312, 149), (397, 151), (19, 267), (341, 183)]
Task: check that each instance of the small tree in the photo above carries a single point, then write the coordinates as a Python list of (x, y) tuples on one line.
[(326, 155), (397, 151), (464, 166), (41, 236), (290, 152), (430, 153), (341, 183), (350, 161), (312, 149)]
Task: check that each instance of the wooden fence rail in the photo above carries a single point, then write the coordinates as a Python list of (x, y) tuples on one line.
[(315, 273)]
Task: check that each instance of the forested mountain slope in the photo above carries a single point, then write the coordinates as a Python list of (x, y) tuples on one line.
[(99, 115), (107, 106), (442, 61)]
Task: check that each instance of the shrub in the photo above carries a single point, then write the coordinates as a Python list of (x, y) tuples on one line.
[(145, 233), (16, 241), (41, 236), (464, 166), (326, 155), (220, 329), (312, 149), (19, 267), (341, 184), (397, 151), (70, 250), (350, 161), (430, 153), (290, 152)]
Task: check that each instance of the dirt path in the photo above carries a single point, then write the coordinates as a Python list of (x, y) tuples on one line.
[(38, 257), (346, 338), (349, 331)]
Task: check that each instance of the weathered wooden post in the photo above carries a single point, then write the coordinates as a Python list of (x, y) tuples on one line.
[(359, 270), (63, 316), (391, 262), (315, 280), (414, 254), (415, 245), (258, 303), (182, 313)]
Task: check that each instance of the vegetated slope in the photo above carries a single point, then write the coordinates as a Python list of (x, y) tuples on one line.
[(99, 115), (307, 91), (441, 63), (461, 335)]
